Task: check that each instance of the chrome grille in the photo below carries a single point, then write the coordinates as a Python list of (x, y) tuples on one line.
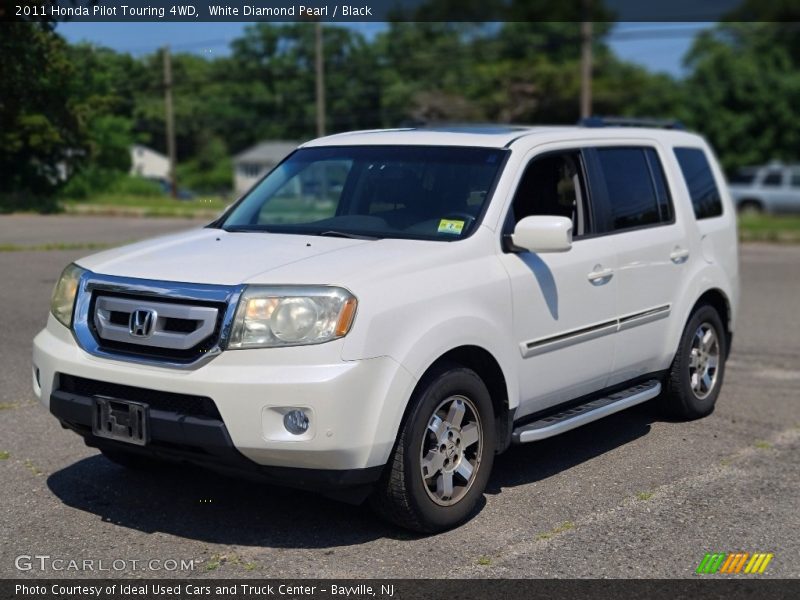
[(174, 326), (169, 324)]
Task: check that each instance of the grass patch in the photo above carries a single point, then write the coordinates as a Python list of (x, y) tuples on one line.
[(8, 405), (33, 468), (565, 526), (769, 228), (145, 206), (217, 560), (644, 496), (484, 561), (4, 455), (763, 445)]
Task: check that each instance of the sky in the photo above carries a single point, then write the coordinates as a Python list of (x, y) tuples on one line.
[(658, 46)]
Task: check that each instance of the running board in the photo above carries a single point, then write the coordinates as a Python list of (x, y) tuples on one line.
[(581, 414)]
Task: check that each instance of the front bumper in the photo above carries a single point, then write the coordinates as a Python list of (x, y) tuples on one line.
[(355, 407), (205, 442)]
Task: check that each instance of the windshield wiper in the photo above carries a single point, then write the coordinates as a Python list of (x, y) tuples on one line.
[(344, 234)]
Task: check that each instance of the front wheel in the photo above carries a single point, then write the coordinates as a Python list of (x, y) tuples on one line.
[(443, 456), (696, 374), (750, 208)]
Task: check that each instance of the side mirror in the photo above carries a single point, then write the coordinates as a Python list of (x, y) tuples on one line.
[(543, 234)]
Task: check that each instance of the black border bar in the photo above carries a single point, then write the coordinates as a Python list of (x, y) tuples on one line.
[(705, 587), (475, 11)]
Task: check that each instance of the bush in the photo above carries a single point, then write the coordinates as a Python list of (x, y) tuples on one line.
[(136, 186), (25, 201), (216, 180), (87, 182), (210, 171), (92, 181)]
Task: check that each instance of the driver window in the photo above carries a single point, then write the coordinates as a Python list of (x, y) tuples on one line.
[(553, 185)]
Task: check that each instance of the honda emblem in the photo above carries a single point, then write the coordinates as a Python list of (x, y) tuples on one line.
[(142, 322)]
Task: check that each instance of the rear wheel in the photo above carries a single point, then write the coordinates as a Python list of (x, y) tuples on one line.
[(696, 374), (443, 456)]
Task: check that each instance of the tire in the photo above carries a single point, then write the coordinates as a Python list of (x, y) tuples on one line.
[(697, 371), (434, 441), (130, 460), (750, 207)]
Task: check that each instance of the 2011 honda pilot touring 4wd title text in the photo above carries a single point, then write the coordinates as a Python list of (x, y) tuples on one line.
[(386, 311)]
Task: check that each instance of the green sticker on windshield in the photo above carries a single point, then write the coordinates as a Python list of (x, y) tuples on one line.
[(450, 226)]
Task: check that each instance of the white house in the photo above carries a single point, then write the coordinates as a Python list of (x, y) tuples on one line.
[(146, 162), (252, 164)]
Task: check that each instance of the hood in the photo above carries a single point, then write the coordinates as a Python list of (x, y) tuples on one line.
[(214, 256)]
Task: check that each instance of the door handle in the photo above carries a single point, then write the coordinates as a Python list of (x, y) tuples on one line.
[(600, 275), (679, 255)]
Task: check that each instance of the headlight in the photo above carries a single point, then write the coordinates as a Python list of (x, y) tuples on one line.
[(284, 316), (63, 299)]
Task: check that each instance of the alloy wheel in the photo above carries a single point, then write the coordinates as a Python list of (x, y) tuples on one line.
[(704, 360), (451, 450)]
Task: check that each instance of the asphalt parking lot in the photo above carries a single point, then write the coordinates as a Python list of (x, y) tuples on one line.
[(630, 496)]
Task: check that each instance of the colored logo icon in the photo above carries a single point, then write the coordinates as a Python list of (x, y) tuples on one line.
[(733, 563)]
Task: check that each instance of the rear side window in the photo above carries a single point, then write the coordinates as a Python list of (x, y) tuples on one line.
[(773, 179), (700, 181), (634, 197), (660, 182)]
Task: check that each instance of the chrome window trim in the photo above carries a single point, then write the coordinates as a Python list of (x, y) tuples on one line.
[(644, 317), (158, 291)]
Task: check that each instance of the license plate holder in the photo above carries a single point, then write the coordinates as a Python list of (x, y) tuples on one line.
[(120, 420)]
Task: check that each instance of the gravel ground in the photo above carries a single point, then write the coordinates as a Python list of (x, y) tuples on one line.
[(629, 496)]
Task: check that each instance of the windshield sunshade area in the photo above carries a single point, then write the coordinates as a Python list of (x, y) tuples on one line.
[(417, 192)]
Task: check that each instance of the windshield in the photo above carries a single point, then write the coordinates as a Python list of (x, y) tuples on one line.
[(435, 193)]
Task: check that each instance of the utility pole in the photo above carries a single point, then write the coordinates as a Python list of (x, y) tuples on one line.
[(586, 63), (319, 64), (170, 119)]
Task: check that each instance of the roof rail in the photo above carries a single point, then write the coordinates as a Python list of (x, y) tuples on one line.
[(630, 122)]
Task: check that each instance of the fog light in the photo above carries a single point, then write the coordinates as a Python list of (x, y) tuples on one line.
[(296, 422)]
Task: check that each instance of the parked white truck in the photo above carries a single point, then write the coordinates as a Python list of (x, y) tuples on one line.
[(442, 295)]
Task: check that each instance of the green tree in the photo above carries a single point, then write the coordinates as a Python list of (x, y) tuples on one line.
[(103, 89), (523, 72), (42, 136), (274, 65), (743, 93), (425, 69), (210, 170)]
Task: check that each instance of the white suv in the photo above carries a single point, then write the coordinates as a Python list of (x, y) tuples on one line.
[(387, 310)]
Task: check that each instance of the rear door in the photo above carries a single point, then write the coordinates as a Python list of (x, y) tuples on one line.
[(637, 217)]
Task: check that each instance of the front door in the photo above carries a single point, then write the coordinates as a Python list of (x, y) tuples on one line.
[(564, 304)]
